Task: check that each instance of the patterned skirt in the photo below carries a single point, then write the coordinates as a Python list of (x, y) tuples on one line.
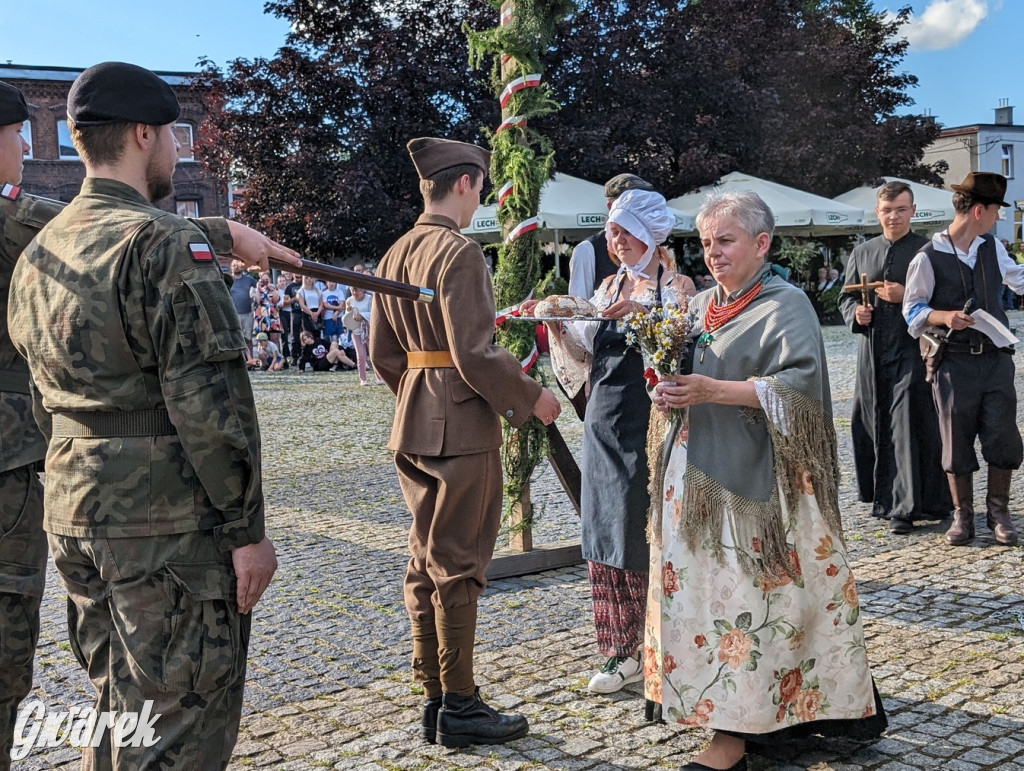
[(620, 601)]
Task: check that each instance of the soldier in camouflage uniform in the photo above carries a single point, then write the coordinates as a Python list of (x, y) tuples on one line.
[(154, 500), (22, 447)]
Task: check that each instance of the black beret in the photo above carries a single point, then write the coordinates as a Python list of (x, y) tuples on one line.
[(115, 92), (12, 105), (431, 155)]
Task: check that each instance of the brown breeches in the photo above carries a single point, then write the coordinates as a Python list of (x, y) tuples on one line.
[(456, 512)]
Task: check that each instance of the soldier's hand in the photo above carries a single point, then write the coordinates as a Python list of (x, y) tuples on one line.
[(547, 408), (255, 249), (254, 567), (862, 315)]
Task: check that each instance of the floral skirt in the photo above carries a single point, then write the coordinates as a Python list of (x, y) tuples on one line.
[(727, 651)]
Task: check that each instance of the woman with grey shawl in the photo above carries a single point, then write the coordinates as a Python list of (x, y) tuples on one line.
[(753, 622)]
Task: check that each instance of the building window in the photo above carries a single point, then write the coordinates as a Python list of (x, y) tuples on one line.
[(26, 134), (65, 149), (1008, 161), (183, 133), (187, 208)]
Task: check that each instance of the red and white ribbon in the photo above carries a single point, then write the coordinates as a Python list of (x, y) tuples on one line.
[(506, 14), (505, 192), (531, 359), (511, 122), (522, 229), (526, 81)]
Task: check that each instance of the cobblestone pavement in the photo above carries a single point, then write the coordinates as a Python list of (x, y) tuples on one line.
[(328, 678)]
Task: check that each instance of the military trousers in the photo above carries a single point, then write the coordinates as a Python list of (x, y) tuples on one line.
[(155, 620), (22, 578), (455, 503)]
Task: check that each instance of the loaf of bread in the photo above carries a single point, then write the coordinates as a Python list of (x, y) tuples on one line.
[(564, 306)]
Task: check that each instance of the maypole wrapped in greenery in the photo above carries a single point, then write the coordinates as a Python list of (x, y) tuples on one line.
[(520, 165)]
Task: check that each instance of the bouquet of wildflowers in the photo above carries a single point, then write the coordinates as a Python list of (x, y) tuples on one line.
[(662, 336)]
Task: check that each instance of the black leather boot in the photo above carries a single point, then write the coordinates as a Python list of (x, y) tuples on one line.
[(466, 720), (997, 502), (429, 720), (961, 532)]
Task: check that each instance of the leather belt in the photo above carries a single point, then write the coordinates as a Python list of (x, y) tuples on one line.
[(429, 359), (99, 425), (976, 349)]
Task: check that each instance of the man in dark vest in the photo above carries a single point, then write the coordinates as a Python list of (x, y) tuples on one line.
[(960, 270), (896, 444)]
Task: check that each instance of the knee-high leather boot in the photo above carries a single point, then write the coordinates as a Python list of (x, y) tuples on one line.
[(997, 502), (962, 530)]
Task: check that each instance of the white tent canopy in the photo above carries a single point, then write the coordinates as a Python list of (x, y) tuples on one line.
[(934, 205), (569, 207), (796, 211)]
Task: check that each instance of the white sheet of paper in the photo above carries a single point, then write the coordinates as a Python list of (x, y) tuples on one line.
[(991, 326)]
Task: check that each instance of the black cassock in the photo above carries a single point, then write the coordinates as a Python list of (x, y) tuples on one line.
[(896, 445)]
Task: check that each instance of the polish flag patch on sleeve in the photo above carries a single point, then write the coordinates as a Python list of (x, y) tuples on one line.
[(10, 192), (201, 252)]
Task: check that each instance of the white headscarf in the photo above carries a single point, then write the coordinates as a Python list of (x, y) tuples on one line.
[(645, 215)]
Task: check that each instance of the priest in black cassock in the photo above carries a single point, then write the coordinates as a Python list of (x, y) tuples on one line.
[(896, 443)]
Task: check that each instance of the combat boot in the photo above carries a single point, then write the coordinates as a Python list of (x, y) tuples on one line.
[(961, 531), (997, 502), (466, 720), (428, 722)]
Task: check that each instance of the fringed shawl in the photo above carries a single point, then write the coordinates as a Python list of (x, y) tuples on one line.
[(738, 458)]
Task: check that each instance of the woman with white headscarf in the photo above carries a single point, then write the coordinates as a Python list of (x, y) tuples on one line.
[(614, 498)]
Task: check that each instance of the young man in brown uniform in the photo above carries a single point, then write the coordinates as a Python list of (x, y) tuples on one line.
[(452, 383)]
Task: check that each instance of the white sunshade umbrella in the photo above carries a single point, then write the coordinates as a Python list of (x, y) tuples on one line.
[(797, 212), (569, 207), (934, 205)]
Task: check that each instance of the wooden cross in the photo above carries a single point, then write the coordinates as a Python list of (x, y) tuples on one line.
[(864, 288)]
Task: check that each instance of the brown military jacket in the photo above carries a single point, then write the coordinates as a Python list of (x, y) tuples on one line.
[(445, 411), (121, 308)]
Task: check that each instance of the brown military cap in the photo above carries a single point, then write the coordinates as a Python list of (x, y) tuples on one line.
[(620, 183), (12, 105), (430, 155), (115, 92), (984, 187)]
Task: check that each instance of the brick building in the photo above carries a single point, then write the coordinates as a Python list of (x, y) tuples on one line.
[(53, 168)]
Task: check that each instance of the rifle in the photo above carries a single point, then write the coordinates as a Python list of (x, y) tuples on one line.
[(326, 272)]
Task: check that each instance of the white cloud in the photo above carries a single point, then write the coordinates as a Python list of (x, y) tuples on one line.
[(944, 23)]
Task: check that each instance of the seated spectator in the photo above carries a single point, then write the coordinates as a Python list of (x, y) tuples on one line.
[(346, 345), (268, 354), (321, 355)]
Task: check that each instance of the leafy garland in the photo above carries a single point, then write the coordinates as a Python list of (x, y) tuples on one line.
[(522, 156)]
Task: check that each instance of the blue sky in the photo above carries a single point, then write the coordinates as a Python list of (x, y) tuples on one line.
[(965, 53)]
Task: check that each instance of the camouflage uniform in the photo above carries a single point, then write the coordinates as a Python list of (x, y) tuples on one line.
[(153, 464), (22, 448)]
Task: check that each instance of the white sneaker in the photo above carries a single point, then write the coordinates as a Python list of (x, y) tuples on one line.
[(617, 672)]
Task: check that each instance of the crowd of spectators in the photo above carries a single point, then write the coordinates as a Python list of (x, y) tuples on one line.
[(300, 322)]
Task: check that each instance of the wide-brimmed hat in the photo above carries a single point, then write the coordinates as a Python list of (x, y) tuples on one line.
[(984, 187), (620, 183)]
